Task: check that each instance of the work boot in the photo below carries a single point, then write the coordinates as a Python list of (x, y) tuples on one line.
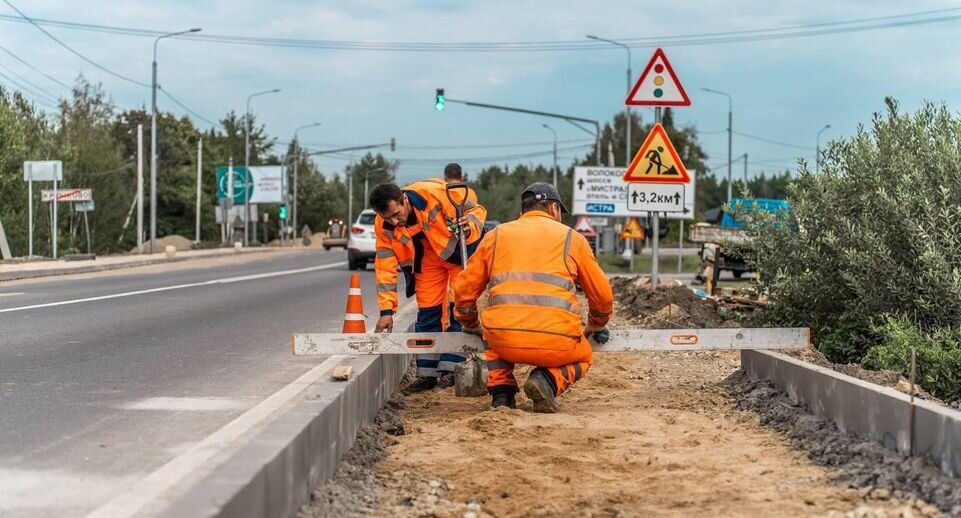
[(539, 388), (503, 399), (446, 380), (420, 385)]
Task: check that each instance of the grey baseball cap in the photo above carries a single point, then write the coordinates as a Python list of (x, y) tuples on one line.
[(543, 191)]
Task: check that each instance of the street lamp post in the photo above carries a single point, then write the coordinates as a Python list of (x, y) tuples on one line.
[(366, 182), (296, 161), (730, 117), (153, 138), (817, 156), (627, 147), (247, 175), (555, 150)]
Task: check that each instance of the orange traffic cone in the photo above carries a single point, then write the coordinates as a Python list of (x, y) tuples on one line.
[(354, 315)]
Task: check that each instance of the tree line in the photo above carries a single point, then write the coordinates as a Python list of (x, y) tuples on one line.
[(97, 143)]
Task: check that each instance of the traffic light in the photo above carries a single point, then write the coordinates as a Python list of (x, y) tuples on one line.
[(283, 212), (439, 100), (393, 144)]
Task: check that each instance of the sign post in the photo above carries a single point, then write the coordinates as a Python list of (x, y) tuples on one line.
[(40, 171), (657, 162), (4, 246)]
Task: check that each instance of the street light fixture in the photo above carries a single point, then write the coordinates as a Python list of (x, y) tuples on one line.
[(817, 156), (153, 138), (296, 161), (247, 175), (555, 151), (629, 122), (730, 117)]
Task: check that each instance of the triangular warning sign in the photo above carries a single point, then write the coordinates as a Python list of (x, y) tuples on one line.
[(658, 85), (657, 161), (632, 230), (584, 226)]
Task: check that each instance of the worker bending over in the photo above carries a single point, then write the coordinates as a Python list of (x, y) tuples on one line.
[(531, 268), (414, 232)]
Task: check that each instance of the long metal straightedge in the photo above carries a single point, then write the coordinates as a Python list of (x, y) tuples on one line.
[(621, 340)]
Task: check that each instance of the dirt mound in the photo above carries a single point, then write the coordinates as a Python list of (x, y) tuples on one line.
[(671, 305)]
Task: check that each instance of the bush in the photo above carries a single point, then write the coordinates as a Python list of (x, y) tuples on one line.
[(938, 359), (876, 233)]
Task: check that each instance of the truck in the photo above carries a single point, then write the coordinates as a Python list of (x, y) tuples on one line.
[(721, 229)]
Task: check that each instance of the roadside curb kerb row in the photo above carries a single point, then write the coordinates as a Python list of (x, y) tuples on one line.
[(881, 414), (96, 268)]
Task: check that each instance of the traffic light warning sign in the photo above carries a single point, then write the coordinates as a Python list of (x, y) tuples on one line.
[(658, 85), (632, 230), (657, 161)]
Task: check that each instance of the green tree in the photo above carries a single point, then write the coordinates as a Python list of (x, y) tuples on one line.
[(873, 236)]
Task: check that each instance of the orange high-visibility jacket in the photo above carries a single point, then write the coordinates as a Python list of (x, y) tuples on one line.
[(531, 267), (430, 209)]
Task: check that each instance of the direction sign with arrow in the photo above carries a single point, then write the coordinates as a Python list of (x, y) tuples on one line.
[(651, 197)]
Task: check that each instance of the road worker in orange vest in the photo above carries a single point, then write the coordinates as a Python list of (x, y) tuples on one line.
[(413, 232), (531, 268)]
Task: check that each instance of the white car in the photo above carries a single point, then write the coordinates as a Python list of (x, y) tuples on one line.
[(361, 245)]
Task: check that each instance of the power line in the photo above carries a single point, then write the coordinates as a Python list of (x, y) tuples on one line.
[(315, 145), (24, 89), (771, 141), (188, 110), (35, 69), (29, 82), (793, 31), (72, 51), (24, 93)]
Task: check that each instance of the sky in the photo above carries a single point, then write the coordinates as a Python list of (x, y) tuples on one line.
[(783, 90)]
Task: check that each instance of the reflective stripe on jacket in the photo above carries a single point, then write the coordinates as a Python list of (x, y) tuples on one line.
[(394, 249), (531, 268)]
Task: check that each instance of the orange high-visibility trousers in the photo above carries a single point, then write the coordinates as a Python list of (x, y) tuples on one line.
[(565, 366)]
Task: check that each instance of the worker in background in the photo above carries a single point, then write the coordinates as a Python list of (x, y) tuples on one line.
[(414, 233), (531, 268)]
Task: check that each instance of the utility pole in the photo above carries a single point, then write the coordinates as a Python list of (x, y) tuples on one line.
[(200, 162), (730, 131), (745, 172), (350, 195), (247, 176), (153, 139), (296, 160), (817, 156), (140, 188), (554, 133)]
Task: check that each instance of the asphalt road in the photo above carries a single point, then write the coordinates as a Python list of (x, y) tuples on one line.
[(105, 377)]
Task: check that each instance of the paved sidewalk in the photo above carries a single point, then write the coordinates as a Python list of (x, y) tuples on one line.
[(44, 268)]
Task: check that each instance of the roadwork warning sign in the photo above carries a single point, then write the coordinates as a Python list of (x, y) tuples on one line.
[(632, 230), (657, 161)]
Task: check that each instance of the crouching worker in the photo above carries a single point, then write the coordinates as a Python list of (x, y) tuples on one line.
[(531, 267)]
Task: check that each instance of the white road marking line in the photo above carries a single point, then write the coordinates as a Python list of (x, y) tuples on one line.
[(177, 404), (12, 293), (228, 280), (130, 500)]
